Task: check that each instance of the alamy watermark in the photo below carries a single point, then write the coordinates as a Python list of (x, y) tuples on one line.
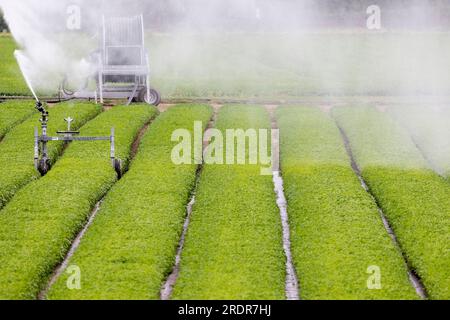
[(374, 280), (229, 147), (374, 17), (73, 17), (74, 280)]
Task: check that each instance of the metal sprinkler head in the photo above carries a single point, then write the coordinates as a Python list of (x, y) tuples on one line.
[(40, 107), (69, 121)]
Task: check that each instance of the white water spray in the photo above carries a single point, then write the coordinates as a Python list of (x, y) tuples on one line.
[(20, 57)]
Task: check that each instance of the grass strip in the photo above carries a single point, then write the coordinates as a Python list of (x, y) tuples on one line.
[(233, 247), (144, 212), (39, 224), (16, 149), (337, 232), (13, 113), (414, 198)]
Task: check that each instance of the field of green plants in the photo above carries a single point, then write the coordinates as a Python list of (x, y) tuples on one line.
[(233, 247), (430, 130), (11, 80), (12, 114), (16, 148), (38, 224), (277, 66), (337, 232), (146, 229), (132, 237), (414, 198)]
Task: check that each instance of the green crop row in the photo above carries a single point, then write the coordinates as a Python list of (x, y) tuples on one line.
[(11, 80), (414, 198), (233, 247), (430, 128), (16, 149), (130, 247), (337, 232), (13, 113), (39, 223)]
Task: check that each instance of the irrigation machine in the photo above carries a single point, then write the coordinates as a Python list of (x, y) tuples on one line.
[(122, 69), (42, 161)]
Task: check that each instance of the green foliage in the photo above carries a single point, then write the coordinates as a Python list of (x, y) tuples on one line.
[(11, 80), (281, 66), (414, 198), (16, 149), (13, 113), (3, 25), (430, 128), (144, 212), (400, 152), (336, 230), (233, 247), (285, 66), (38, 225)]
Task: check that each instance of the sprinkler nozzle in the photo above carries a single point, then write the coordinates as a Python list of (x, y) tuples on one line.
[(40, 107)]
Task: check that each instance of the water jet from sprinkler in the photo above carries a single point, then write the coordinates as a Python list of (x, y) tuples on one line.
[(19, 57)]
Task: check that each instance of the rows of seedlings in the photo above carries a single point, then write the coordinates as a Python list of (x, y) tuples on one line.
[(11, 79), (233, 247), (39, 223), (429, 128), (13, 113), (136, 232), (169, 283), (337, 233), (16, 148), (414, 198)]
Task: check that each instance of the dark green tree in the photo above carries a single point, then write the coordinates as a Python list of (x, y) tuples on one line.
[(3, 25)]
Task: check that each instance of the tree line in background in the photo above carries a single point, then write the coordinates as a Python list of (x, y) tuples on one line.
[(3, 25)]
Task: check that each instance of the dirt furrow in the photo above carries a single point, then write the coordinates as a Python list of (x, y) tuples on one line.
[(167, 288), (64, 264), (292, 285), (413, 277)]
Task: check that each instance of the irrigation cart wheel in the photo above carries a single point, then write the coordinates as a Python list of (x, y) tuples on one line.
[(44, 166), (69, 93), (155, 97), (64, 88), (118, 167)]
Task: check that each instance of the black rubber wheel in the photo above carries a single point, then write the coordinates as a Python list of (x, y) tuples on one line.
[(44, 166), (118, 167), (155, 97), (68, 92)]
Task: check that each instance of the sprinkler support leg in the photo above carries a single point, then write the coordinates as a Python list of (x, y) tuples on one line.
[(100, 85), (148, 87), (36, 147), (113, 148), (133, 94), (44, 142), (116, 163)]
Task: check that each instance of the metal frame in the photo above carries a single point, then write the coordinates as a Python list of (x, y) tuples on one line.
[(122, 30), (41, 141), (141, 72)]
